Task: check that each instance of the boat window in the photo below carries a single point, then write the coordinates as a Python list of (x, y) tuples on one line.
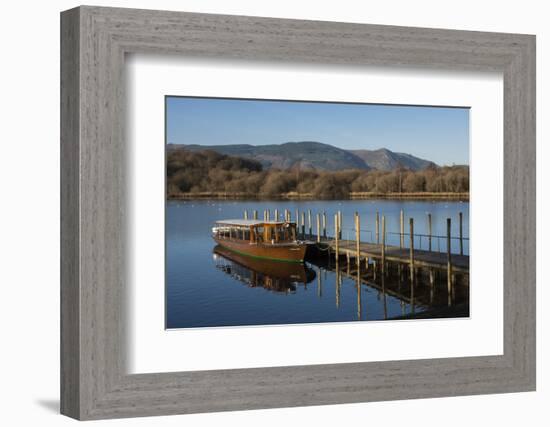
[(259, 234), (280, 234)]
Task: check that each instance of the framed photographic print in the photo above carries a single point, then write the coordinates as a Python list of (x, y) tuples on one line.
[(262, 213), (290, 216)]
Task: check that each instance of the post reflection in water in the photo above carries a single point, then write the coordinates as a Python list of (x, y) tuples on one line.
[(319, 283), (358, 285), (385, 288), (338, 283), (384, 296)]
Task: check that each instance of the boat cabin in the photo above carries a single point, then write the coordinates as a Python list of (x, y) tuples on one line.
[(256, 231)]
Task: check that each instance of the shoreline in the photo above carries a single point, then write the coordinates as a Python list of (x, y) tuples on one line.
[(307, 196)]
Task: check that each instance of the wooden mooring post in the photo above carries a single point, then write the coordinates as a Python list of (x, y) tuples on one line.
[(309, 221), (276, 214), (377, 229), (255, 214), (384, 244), (318, 217), (340, 225), (401, 229), (245, 214), (449, 264), (357, 242), (303, 225), (324, 225), (336, 237)]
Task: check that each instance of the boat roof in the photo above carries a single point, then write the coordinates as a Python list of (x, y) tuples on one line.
[(249, 222)]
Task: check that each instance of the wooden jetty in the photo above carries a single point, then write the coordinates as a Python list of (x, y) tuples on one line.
[(372, 251), (378, 251), (401, 270)]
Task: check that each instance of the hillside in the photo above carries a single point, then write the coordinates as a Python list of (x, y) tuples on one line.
[(385, 160), (315, 156), (291, 155)]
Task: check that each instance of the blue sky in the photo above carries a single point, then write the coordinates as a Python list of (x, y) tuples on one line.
[(434, 133)]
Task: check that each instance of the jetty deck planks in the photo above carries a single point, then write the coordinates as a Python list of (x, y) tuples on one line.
[(422, 258)]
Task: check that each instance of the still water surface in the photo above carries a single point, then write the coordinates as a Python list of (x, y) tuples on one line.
[(207, 286)]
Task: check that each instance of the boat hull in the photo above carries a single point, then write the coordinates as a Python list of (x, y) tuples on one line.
[(291, 252)]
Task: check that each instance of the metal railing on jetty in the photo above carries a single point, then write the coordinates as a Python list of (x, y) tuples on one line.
[(306, 230)]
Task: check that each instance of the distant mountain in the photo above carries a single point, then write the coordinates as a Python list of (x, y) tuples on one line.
[(384, 159), (303, 155), (314, 155)]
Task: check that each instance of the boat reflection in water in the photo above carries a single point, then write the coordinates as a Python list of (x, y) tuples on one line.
[(271, 275)]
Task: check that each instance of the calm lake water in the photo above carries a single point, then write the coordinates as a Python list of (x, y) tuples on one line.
[(207, 286)]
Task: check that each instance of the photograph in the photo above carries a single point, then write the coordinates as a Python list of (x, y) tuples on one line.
[(286, 212)]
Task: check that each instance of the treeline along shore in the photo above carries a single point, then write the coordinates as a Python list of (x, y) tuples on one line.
[(208, 174)]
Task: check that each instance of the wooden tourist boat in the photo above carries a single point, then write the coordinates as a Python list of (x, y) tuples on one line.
[(271, 240)]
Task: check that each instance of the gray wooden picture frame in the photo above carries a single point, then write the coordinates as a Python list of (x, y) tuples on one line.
[(94, 382)]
